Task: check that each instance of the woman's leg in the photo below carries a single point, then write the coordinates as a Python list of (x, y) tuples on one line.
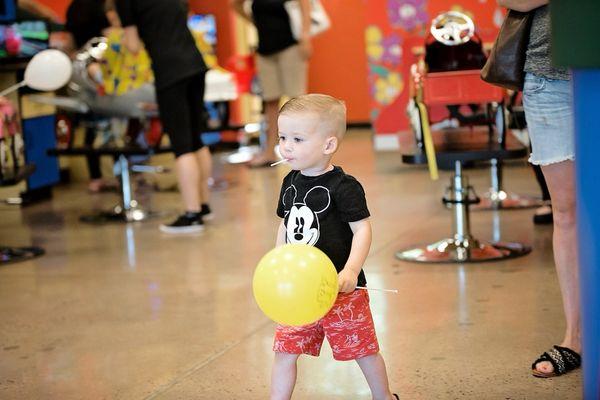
[(205, 165), (268, 154), (93, 162), (543, 214), (188, 177), (560, 180), (539, 177)]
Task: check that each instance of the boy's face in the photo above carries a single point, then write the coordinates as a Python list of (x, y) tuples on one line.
[(302, 143)]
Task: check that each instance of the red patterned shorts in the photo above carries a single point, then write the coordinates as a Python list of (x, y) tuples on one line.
[(348, 327)]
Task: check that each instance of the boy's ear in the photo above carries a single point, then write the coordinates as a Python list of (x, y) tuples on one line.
[(331, 145)]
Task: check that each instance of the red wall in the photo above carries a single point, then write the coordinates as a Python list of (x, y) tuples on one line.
[(339, 64), (60, 6)]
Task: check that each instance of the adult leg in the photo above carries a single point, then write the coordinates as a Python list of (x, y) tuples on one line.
[(93, 162), (176, 115), (199, 119), (539, 177), (205, 162), (272, 88), (373, 368), (188, 178), (291, 70), (283, 376), (543, 214), (560, 180), (267, 154)]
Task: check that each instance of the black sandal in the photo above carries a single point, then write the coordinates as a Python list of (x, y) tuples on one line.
[(562, 359)]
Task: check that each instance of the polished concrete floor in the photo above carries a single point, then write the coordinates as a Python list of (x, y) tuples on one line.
[(125, 312)]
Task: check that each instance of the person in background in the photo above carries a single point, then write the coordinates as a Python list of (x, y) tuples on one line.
[(179, 71), (547, 100), (282, 62), (85, 20)]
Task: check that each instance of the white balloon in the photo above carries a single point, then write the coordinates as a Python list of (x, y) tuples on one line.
[(48, 70)]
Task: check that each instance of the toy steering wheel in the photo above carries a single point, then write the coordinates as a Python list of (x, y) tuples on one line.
[(452, 28)]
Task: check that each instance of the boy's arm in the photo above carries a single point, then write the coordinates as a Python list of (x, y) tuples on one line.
[(361, 243), (280, 234), (522, 5)]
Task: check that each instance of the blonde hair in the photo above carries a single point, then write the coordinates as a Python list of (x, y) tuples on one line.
[(330, 111)]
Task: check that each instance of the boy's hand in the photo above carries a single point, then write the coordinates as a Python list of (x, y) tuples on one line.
[(347, 280)]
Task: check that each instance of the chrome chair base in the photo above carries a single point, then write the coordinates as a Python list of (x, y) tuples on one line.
[(453, 251), (462, 247)]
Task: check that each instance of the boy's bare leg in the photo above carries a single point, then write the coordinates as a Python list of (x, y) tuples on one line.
[(283, 376), (373, 367)]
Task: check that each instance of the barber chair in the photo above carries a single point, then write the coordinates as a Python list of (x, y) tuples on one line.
[(453, 46), (486, 141)]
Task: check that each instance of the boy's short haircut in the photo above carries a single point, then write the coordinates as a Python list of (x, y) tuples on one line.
[(331, 111)]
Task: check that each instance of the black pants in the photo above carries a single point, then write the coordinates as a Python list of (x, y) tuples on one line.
[(93, 161), (182, 113)]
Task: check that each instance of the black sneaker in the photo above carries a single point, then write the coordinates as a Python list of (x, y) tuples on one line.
[(185, 223), (206, 212)]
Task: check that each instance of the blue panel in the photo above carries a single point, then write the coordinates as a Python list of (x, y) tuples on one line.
[(39, 136), (586, 86), (7, 10)]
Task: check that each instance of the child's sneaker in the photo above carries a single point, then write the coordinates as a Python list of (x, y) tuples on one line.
[(189, 222), (206, 212)]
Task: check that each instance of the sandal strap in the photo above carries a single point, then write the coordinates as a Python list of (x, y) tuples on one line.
[(571, 358), (559, 361)]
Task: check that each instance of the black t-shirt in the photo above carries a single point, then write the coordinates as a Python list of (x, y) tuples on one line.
[(86, 19), (317, 211), (273, 26), (162, 25)]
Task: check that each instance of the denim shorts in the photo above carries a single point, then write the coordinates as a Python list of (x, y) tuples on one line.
[(548, 105)]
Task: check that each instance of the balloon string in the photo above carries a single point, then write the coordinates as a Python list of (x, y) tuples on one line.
[(12, 88), (377, 289)]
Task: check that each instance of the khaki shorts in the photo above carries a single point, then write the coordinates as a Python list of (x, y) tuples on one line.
[(282, 74)]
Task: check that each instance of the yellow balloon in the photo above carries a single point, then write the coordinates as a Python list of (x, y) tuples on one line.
[(295, 284)]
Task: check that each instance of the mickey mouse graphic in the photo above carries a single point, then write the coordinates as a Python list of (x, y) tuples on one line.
[(302, 220)]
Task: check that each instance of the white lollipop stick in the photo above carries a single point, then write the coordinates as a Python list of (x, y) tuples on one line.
[(279, 162), (379, 290)]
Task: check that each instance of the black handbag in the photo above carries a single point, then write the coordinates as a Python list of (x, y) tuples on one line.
[(504, 66)]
